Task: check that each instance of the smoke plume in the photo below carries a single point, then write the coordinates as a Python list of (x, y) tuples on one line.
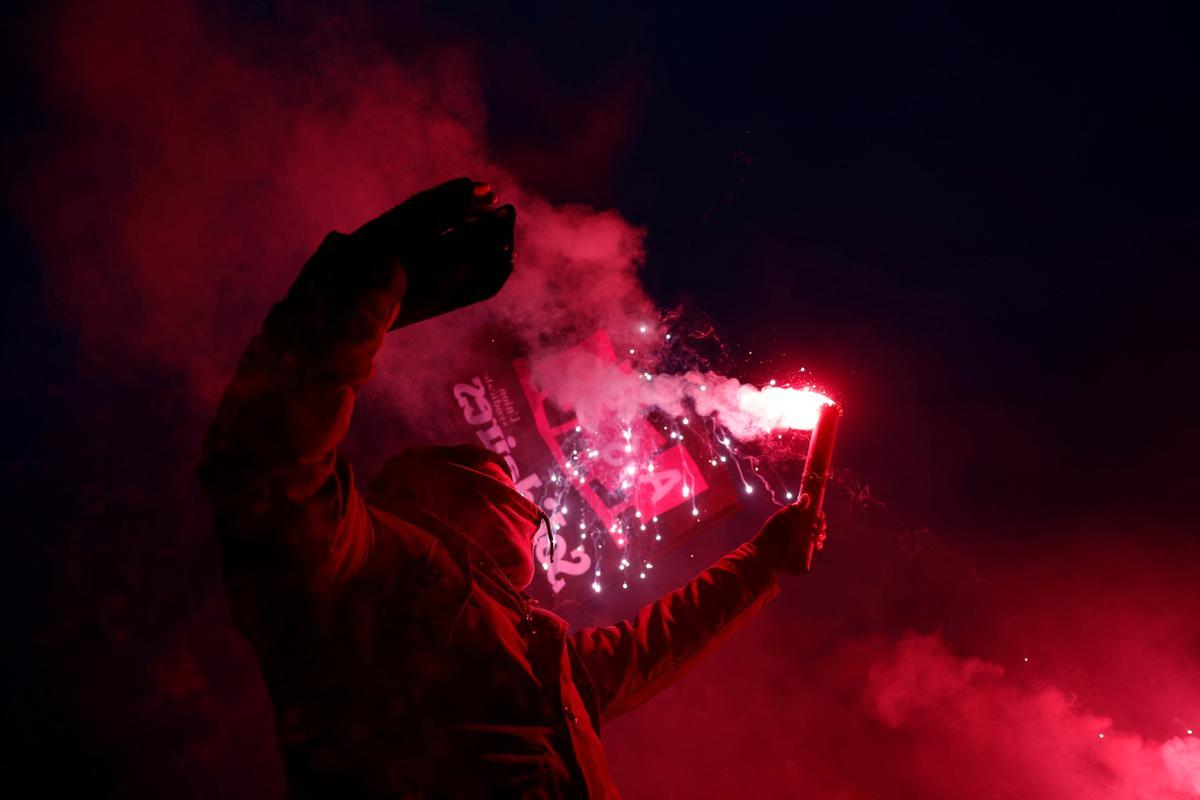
[(1088, 690), (964, 723), (599, 390)]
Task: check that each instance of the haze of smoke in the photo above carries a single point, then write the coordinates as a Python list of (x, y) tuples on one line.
[(194, 183), (971, 727), (188, 190), (830, 697), (876, 716), (600, 390)]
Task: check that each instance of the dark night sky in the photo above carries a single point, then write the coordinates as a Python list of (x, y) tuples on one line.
[(979, 212), (981, 226)]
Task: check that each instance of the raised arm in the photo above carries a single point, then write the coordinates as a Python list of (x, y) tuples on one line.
[(630, 662), (269, 463)]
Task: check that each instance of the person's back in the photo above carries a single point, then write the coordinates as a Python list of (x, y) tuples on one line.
[(399, 648)]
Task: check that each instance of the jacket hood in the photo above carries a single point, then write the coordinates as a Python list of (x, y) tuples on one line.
[(469, 490)]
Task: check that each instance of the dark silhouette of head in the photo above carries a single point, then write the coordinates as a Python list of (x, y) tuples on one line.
[(468, 489)]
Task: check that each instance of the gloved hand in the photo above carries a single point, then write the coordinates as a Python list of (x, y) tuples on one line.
[(791, 534), (454, 244)]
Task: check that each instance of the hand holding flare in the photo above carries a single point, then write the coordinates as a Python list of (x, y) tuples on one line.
[(816, 478), (798, 530)]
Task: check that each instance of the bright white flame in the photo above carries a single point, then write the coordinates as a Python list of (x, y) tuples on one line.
[(778, 407)]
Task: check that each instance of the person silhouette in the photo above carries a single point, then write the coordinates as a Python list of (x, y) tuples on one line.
[(400, 650)]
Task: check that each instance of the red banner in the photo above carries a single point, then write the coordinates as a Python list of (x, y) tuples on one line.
[(618, 496)]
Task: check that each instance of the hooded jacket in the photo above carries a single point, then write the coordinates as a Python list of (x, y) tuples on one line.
[(401, 658)]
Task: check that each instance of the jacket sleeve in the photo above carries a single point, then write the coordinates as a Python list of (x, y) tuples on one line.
[(281, 495), (630, 662)]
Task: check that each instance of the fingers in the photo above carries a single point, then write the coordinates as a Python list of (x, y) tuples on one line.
[(483, 197), (434, 211), (460, 193), (448, 203), (451, 198), (483, 201), (793, 517), (793, 533), (487, 239)]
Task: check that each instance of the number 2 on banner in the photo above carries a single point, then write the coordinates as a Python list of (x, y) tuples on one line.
[(575, 562)]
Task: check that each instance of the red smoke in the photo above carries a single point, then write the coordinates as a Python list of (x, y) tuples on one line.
[(193, 183), (822, 700), (968, 726), (185, 186)]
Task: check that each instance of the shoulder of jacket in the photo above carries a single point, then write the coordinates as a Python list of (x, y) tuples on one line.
[(413, 541)]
